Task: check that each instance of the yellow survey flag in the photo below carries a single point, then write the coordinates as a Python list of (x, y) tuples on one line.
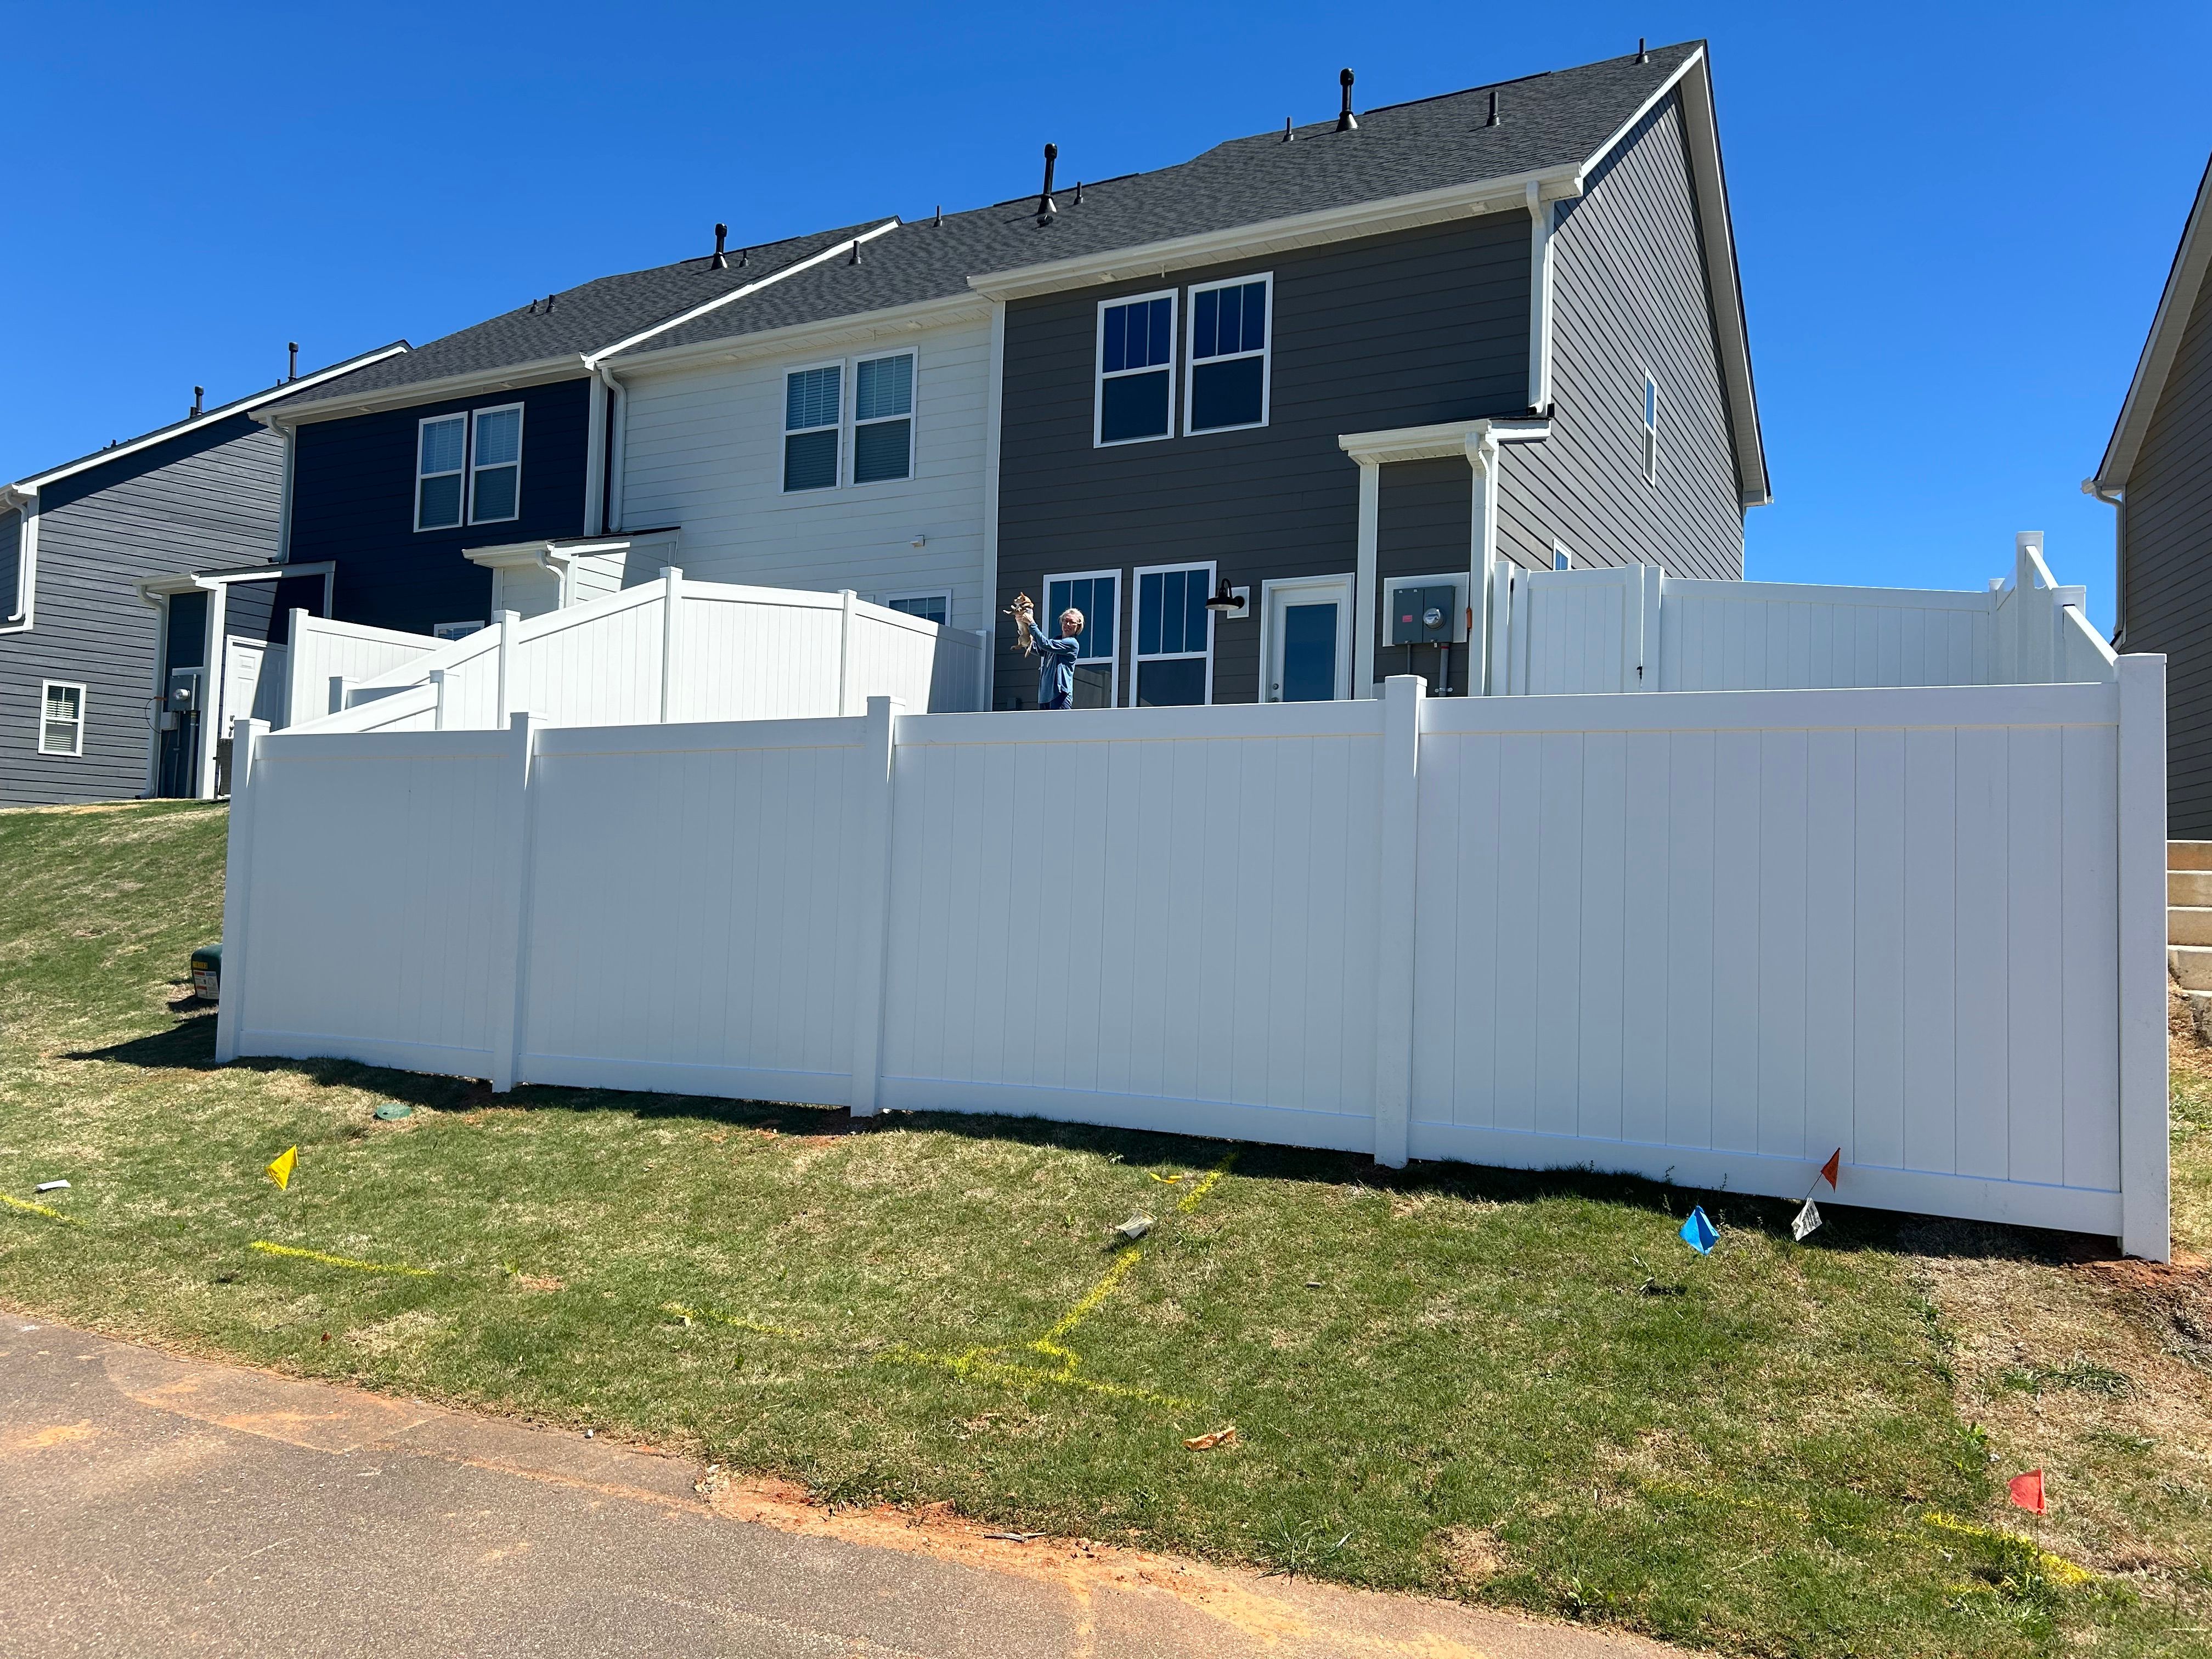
[(281, 1167)]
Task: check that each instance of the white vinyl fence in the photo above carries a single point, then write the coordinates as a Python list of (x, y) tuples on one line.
[(1709, 936), (669, 650), (324, 653)]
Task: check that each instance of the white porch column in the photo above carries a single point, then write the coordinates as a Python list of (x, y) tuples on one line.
[(1482, 553), (1364, 600)]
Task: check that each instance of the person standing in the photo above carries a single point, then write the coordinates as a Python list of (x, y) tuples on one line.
[(1056, 657)]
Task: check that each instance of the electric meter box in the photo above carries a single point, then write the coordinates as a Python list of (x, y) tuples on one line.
[(1424, 616)]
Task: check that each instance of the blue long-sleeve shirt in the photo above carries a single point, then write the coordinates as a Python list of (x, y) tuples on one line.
[(1055, 670)]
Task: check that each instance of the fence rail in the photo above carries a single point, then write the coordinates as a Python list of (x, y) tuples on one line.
[(1711, 935)]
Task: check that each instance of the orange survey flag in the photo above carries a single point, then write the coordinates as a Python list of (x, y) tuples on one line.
[(1829, 1169), (2026, 1490)]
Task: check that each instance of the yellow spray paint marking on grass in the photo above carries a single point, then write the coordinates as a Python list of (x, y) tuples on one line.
[(733, 1321), (2056, 1568), (267, 1249), (46, 1210), (982, 1364)]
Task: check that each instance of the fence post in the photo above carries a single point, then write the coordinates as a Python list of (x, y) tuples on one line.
[(2146, 1228), (510, 964), (505, 621), (1402, 700), (873, 879), (671, 598), (238, 888), (982, 670), (846, 597), (438, 702), (341, 692)]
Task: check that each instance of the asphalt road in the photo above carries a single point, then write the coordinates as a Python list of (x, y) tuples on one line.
[(153, 1505)]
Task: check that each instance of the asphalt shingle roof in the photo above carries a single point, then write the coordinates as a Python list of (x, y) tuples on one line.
[(1544, 121)]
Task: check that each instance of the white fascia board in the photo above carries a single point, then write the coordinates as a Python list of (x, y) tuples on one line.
[(240, 406), (186, 582), (2177, 303), (1509, 193), (1438, 442), (592, 360), (507, 378), (1665, 90), (828, 333), (1724, 281)]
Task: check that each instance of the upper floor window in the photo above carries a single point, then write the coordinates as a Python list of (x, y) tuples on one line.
[(882, 419), (495, 465), (1650, 430), (1136, 369), (813, 402), (1228, 368), (441, 447)]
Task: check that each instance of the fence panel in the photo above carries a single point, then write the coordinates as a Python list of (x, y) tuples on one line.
[(1739, 636), (323, 650)]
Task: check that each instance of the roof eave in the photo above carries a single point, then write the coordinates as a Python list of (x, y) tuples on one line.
[(2177, 303)]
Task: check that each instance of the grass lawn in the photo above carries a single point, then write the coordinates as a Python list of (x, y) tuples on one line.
[(1524, 1390)]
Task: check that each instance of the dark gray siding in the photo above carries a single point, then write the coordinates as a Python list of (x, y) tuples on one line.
[(353, 501), (1629, 297), (1399, 330), (204, 499), (2166, 575)]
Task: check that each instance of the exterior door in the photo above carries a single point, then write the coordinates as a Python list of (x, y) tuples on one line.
[(1307, 653)]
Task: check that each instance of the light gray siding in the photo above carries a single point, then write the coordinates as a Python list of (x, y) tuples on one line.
[(2166, 567), (206, 498), (1630, 298), (1399, 330)]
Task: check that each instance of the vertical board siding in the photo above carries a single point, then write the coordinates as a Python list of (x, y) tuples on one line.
[(1720, 934)]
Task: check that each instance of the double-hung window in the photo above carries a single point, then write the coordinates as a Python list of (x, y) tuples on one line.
[(1136, 369), (1098, 595), (1228, 365), (814, 404), (882, 418), (1175, 636), (930, 607), (1651, 429), (61, 718), (495, 465), (441, 447)]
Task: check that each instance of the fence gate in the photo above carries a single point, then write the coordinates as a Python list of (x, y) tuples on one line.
[(1559, 632)]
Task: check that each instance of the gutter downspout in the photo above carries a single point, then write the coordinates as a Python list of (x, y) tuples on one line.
[(1541, 216), (609, 447), (2118, 501), (26, 557)]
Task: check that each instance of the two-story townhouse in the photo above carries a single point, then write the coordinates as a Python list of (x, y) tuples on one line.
[(2157, 475), (84, 662), (1317, 371)]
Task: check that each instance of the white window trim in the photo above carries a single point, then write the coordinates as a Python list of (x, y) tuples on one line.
[(475, 415), (850, 441), (1349, 581), (1266, 353), (1563, 556), (1113, 659), (1137, 658), (890, 600), (460, 472), (46, 687), (1650, 428), (1099, 375), (785, 431)]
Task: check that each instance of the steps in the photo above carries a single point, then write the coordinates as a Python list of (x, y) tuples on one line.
[(2189, 927)]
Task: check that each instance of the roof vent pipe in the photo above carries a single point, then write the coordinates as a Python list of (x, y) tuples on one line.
[(1642, 56), (721, 241), (855, 259), (744, 257), (292, 368), (1344, 121), (1290, 132), (198, 393), (1492, 121), (1079, 193), (1046, 208), (940, 215)]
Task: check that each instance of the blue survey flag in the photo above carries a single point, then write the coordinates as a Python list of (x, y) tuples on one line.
[(1699, 1234)]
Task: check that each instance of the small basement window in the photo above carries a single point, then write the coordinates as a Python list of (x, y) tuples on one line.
[(813, 399), (1228, 369), (882, 419), (496, 468), (441, 446), (61, 718), (1136, 359)]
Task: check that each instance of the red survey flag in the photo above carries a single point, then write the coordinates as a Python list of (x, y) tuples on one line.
[(1835, 1162), (2026, 1490)]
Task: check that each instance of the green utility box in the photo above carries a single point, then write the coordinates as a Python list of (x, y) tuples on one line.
[(207, 973)]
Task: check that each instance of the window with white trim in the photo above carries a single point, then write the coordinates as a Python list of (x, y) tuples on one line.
[(882, 418), (1563, 557), (441, 449), (495, 465), (1175, 636), (1650, 430), (930, 607), (1136, 369), (814, 404), (1227, 374), (61, 718), (1098, 595)]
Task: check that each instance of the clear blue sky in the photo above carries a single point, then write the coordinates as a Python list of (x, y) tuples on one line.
[(1954, 221)]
